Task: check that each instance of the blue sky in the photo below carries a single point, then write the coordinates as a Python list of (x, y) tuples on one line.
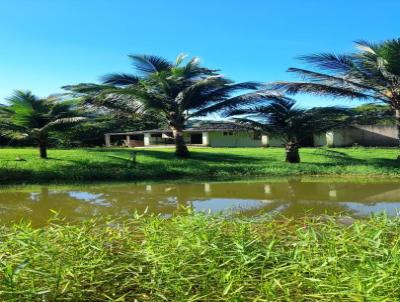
[(46, 44)]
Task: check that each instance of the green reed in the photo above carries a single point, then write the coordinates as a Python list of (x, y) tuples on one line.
[(202, 258)]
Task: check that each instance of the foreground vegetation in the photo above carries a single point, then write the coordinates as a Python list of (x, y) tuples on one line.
[(99, 164), (202, 258)]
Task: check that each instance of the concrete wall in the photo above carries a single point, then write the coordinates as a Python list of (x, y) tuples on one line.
[(237, 139), (275, 142), (366, 135), (150, 140), (321, 140), (363, 135), (134, 143), (218, 139)]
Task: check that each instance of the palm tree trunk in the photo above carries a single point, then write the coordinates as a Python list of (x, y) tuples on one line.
[(292, 152), (397, 120), (43, 148), (181, 149)]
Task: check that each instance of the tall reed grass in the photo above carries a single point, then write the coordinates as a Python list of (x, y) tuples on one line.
[(202, 258)]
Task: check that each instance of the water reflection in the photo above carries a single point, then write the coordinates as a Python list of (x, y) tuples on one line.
[(291, 197)]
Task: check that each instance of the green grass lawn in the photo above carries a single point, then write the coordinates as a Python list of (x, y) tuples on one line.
[(100, 164)]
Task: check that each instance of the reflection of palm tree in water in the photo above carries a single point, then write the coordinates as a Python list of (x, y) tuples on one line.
[(301, 198), (47, 202), (292, 197), (293, 185), (44, 194), (182, 198)]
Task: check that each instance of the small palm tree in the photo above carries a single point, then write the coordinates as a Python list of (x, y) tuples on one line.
[(28, 116), (179, 90), (372, 73), (281, 118)]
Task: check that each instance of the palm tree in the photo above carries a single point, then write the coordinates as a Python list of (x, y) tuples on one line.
[(281, 118), (372, 73), (179, 90), (28, 116)]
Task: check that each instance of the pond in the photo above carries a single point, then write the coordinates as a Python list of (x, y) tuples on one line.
[(290, 197)]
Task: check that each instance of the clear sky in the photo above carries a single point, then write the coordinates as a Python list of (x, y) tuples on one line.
[(46, 44)]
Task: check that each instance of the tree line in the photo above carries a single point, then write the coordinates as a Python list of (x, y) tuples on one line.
[(163, 93)]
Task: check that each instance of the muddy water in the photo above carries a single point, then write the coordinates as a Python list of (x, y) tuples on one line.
[(290, 197)]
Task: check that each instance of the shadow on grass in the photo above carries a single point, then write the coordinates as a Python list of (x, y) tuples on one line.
[(223, 157), (210, 157), (338, 157), (383, 162), (194, 155), (107, 150), (124, 159)]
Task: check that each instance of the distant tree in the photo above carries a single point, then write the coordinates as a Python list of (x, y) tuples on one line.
[(374, 114), (28, 116), (372, 73), (281, 118), (178, 90), (91, 132)]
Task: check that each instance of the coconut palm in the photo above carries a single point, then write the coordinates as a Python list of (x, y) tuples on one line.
[(179, 90), (28, 116), (371, 73), (281, 118)]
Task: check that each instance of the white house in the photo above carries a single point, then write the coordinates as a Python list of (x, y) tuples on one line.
[(199, 133), (228, 134)]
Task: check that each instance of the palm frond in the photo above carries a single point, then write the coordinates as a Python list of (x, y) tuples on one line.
[(64, 121), (327, 79), (319, 90), (251, 124), (200, 91), (87, 88), (240, 101), (147, 64), (28, 115), (180, 58), (330, 62), (120, 79), (366, 46), (283, 118)]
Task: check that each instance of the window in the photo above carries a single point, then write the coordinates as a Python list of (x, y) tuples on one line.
[(257, 135), (228, 133)]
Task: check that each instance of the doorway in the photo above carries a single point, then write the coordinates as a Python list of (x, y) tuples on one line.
[(196, 138)]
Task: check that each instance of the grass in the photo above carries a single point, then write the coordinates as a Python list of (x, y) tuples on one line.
[(207, 163), (202, 258)]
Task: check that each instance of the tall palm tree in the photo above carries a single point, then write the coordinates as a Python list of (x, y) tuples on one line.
[(179, 90), (371, 73), (281, 118), (28, 116)]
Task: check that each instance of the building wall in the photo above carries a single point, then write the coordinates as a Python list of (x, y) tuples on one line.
[(321, 140), (237, 139), (164, 139), (218, 139), (363, 135), (275, 142), (372, 135)]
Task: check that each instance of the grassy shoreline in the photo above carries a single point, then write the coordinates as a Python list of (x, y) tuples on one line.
[(202, 258), (99, 164)]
